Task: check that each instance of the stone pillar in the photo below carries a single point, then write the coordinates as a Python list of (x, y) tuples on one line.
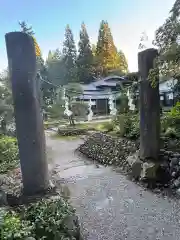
[(29, 123), (149, 108)]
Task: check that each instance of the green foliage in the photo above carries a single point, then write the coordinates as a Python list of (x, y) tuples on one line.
[(175, 111), (56, 111), (106, 126), (13, 227), (71, 131), (55, 68), (170, 133), (85, 57), (73, 89), (170, 122), (127, 125), (79, 109), (122, 106), (50, 218), (69, 56), (9, 157), (46, 219), (167, 40), (123, 64), (24, 28), (107, 56), (6, 107)]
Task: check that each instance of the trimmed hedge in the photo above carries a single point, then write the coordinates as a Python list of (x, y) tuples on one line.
[(71, 131)]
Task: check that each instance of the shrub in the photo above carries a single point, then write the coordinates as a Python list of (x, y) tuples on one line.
[(47, 219), (127, 125), (13, 227), (171, 133), (71, 131), (9, 156), (122, 106), (106, 126), (51, 219), (79, 109), (172, 120)]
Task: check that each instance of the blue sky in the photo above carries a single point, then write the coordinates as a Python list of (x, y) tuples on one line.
[(127, 20)]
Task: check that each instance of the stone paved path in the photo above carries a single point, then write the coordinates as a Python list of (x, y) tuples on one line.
[(110, 206)]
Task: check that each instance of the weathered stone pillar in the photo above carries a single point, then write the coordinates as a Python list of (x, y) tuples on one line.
[(29, 123), (149, 108)]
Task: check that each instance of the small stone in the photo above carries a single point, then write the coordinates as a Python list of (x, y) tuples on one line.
[(176, 155), (149, 170), (178, 191), (174, 161), (135, 165), (72, 225), (176, 183)]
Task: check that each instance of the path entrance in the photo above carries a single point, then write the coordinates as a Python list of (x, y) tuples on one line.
[(109, 206)]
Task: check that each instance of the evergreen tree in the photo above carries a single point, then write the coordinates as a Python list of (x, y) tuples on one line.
[(26, 29), (106, 52), (69, 56), (93, 49), (56, 68), (123, 65), (85, 57)]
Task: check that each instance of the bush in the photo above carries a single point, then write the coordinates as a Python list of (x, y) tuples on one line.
[(51, 219), (106, 126), (9, 157), (79, 109), (71, 131), (171, 120), (13, 227), (122, 106), (127, 125), (170, 132), (47, 219)]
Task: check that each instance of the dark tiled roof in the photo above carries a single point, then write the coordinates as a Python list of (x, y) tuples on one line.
[(110, 81)]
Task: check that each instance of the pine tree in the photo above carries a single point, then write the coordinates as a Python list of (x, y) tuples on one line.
[(26, 29), (29, 31), (85, 57), (93, 49), (106, 52), (69, 56), (56, 67), (123, 65)]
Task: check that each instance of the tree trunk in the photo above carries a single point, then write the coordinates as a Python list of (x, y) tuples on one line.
[(29, 123)]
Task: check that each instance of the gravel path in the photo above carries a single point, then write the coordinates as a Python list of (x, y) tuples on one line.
[(108, 205)]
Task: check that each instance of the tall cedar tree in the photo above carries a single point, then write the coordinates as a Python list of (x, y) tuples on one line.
[(106, 52), (69, 56), (123, 65), (56, 68), (85, 57)]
